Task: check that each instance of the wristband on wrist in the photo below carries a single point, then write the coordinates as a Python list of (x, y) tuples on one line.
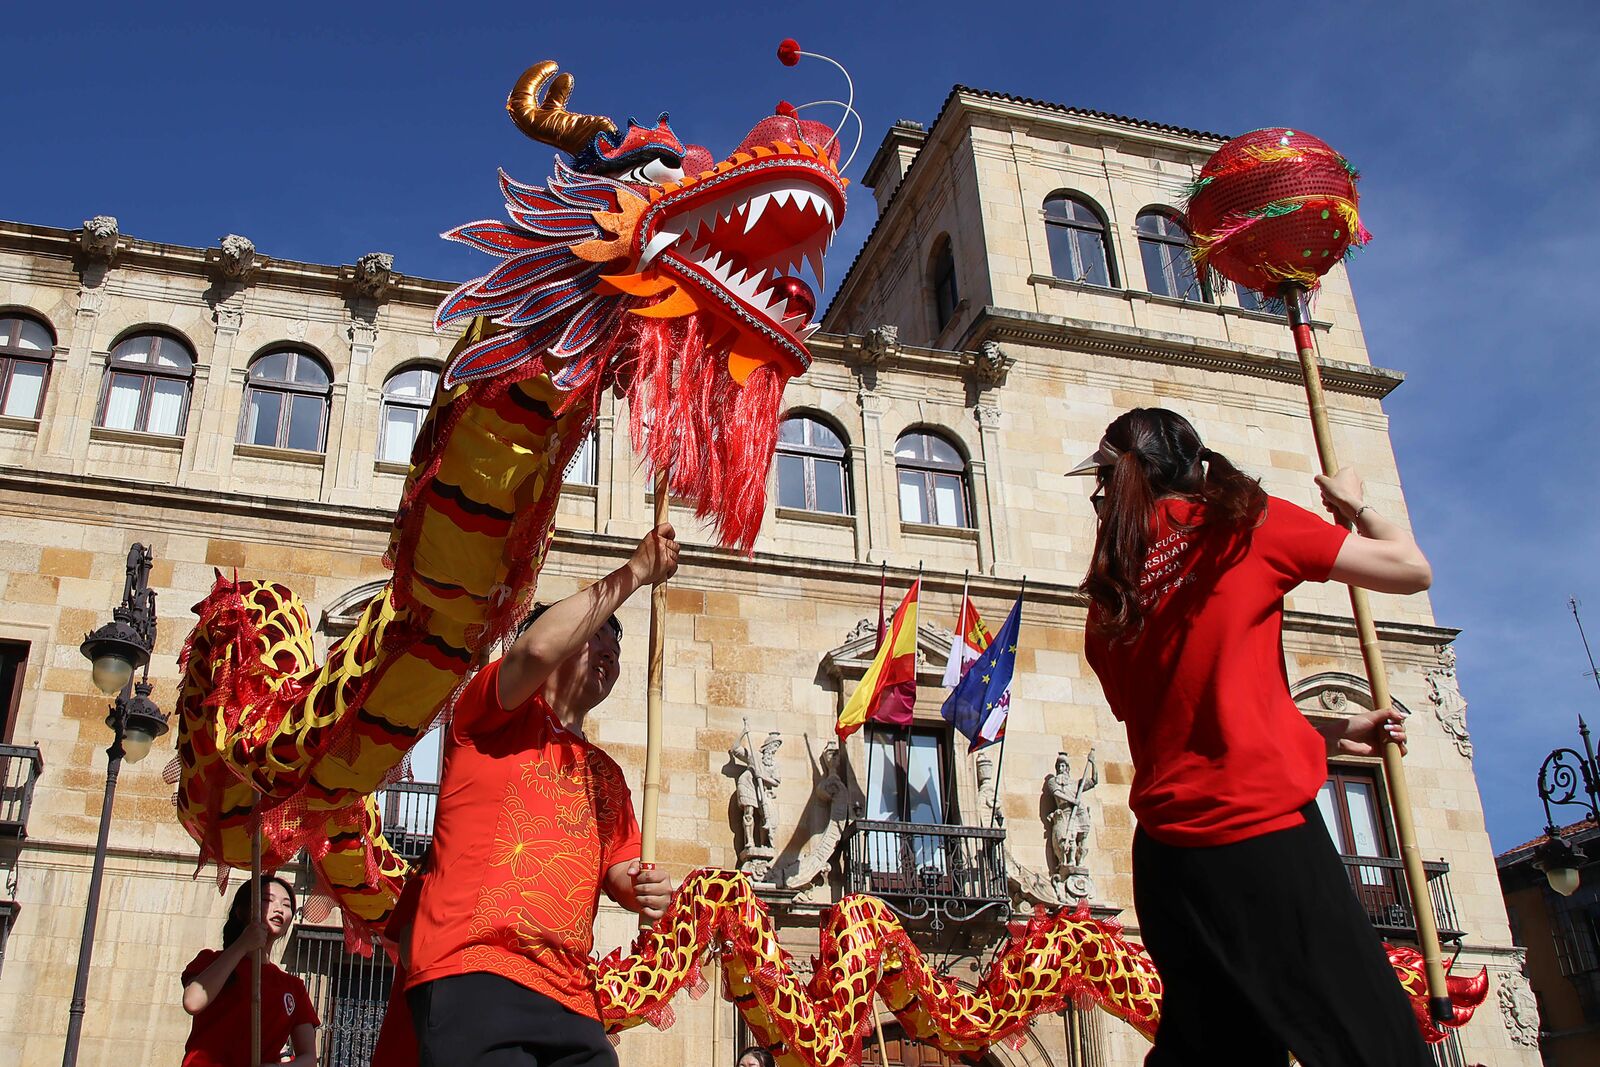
[(1357, 515)]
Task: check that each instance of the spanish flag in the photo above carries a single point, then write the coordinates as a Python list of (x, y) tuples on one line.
[(888, 691)]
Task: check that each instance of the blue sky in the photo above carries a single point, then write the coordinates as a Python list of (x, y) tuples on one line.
[(326, 131)]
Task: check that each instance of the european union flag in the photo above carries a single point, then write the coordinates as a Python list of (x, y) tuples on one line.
[(978, 706)]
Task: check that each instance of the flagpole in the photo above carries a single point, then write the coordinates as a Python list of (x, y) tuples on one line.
[(905, 794), (957, 655), (652, 749)]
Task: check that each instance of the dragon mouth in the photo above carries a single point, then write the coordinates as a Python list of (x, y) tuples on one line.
[(734, 240)]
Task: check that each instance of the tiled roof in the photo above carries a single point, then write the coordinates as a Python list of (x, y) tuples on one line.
[(990, 94), (1571, 830)]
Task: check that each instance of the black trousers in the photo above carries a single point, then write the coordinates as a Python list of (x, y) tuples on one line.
[(1263, 949), (483, 1020)]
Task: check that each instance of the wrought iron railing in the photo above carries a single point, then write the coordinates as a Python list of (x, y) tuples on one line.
[(408, 810), (19, 769), (929, 871), (351, 993), (1380, 885)]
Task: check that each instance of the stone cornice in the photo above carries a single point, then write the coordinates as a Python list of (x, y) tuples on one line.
[(1152, 346), (200, 263)]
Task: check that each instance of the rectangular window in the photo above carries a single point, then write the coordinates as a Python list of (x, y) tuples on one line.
[(305, 423), (912, 488), (351, 993), (791, 481), (949, 508), (1156, 277), (400, 427), (261, 420), (830, 485), (13, 665), (166, 406), (24, 389), (122, 402)]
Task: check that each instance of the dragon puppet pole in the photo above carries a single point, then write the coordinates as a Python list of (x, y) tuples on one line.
[(260, 950), (1439, 1004), (652, 748)]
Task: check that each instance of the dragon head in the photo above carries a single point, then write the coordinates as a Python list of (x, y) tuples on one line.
[(645, 264)]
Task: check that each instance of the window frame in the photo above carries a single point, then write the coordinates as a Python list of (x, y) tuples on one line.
[(390, 401), (1098, 224), (1170, 247), (883, 735), (586, 474), (13, 353), (1261, 303), (148, 372), (288, 389), (809, 453), (930, 469)]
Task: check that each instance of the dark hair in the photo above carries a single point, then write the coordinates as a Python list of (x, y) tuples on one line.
[(762, 1055), (239, 910), (1158, 454), (540, 609)]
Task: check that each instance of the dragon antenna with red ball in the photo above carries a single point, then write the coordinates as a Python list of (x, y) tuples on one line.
[(789, 53)]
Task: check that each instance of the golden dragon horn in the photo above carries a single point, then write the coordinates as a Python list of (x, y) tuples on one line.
[(548, 120)]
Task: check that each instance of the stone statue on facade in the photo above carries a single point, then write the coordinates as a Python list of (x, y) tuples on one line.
[(235, 257), (1068, 823), (373, 275), (1027, 883), (755, 779), (830, 813), (1518, 1008), (1444, 693)]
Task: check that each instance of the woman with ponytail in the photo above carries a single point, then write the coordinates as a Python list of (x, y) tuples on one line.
[(216, 990), (1243, 902)]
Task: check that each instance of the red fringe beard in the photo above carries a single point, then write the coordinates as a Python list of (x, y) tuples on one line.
[(688, 417)]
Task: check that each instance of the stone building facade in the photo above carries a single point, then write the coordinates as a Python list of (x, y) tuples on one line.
[(237, 411)]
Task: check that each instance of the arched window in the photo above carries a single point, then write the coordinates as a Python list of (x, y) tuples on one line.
[(1076, 233), (584, 467), (933, 480), (942, 276), (406, 398), (1164, 248), (147, 385), (813, 474), (26, 346), (286, 402)]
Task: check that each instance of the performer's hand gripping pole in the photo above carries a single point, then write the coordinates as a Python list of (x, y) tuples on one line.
[(652, 748), (1439, 1004)]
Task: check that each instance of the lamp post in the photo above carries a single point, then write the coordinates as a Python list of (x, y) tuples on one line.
[(117, 649), (1563, 773)]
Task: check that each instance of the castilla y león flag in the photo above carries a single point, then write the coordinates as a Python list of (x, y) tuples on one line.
[(888, 690)]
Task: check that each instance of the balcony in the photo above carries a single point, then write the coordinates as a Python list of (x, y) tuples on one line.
[(930, 873), (408, 809), (1380, 885), (19, 769)]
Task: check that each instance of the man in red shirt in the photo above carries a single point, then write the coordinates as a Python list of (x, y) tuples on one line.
[(533, 823)]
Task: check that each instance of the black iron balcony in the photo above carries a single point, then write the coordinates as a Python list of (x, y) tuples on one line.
[(1380, 885), (19, 769), (930, 872), (408, 809)]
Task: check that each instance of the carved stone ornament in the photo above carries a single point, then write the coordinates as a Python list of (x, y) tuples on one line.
[(228, 317), (1444, 692), (1334, 700), (864, 628), (879, 344), (373, 275), (756, 779), (989, 363), (829, 813), (1518, 1008), (234, 259), (98, 239)]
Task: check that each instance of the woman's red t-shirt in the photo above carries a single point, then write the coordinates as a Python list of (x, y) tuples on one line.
[(1220, 751), (220, 1035)]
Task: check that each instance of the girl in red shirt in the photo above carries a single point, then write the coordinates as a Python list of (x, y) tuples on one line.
[(1243, 902), (216, 991)]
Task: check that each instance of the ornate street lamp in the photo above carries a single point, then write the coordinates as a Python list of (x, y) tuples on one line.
[(1561, 776), (116, 650)]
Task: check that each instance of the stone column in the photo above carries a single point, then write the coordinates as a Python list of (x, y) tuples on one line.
[(879, 505), (213, 417), (74, 388), (351, 476), (989, 481), (605, 443)]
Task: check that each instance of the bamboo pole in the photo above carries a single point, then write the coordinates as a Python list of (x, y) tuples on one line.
[(260, 951), (1439, 1004), (652, 750)]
